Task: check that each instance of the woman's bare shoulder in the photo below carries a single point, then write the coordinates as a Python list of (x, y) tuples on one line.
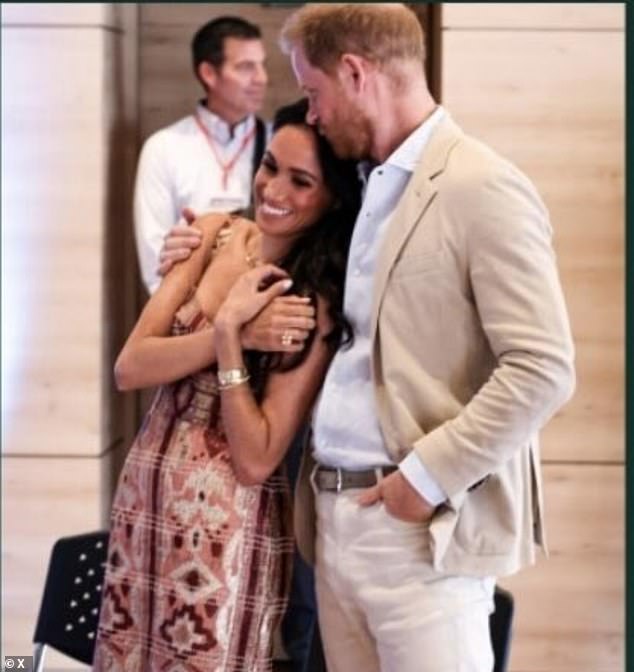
[(211, 223), (242, 223)]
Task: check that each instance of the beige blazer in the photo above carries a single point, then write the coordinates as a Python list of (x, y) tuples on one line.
[(472, 351)]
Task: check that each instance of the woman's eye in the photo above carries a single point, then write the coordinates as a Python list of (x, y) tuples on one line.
[(269, 165), (298, 182)]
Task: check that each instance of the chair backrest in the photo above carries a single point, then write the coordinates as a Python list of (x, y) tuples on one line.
[(501, 625), (69, 612)]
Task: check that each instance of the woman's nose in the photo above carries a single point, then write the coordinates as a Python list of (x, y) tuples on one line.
[(273, 190)]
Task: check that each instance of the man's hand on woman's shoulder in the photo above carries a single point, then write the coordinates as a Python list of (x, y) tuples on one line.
[(179, 242)]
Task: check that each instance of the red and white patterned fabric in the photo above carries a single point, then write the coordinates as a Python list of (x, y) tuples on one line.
[(198, 565)]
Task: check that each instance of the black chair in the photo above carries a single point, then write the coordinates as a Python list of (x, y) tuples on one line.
[(69, 612), (501, 625)]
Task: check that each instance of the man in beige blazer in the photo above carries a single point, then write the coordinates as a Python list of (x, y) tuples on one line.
[(424, 466)]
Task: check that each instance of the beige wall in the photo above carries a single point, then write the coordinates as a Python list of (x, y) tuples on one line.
[(68, 119), (544, 84)]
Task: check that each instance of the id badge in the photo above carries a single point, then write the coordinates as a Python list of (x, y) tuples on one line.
[(226, 203)]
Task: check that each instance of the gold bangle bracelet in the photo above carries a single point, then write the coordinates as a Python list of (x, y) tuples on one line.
[(232, 375), (233, 383)]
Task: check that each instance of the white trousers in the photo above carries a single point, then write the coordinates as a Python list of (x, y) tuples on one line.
[(381, 605)]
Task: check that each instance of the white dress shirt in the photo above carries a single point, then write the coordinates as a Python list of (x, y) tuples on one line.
[(346, 430), (178, 169)]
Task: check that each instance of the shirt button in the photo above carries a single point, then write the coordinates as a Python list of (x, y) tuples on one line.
[(357, 272)]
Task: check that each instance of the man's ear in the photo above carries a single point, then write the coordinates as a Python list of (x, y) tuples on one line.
[(353, 71), (208, 74)]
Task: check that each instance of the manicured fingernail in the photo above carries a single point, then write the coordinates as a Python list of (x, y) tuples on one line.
[(287, 284)]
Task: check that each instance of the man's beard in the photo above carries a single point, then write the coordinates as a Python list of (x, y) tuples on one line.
[(349, 135)]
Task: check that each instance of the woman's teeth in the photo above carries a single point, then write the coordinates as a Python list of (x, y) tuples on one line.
[(269, 209)]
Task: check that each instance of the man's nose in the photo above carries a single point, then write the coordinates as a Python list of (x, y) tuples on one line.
[(261, 75)]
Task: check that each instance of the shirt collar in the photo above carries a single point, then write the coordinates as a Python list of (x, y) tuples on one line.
[(407, 154), (219, 128), (364, 168)]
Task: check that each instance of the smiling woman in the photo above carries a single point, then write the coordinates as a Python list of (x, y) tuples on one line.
[(200, 543), (289, 187)]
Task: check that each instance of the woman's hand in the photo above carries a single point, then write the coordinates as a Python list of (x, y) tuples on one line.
[(251, 292), (284, 325)]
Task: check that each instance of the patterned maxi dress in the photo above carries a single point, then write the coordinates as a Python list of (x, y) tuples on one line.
[(198, 565)]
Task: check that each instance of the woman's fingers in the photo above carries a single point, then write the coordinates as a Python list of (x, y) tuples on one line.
[(284, 345), (254, 290), (293, 322), (279, 287), (297, 334), (283, 313), (282, 322), (264, 277), (302, 307)]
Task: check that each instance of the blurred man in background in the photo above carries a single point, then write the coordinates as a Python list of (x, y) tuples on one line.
[(204, 162)]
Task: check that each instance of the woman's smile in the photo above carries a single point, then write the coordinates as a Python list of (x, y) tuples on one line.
[(271, 209)]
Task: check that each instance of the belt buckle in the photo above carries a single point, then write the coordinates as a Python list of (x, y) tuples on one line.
[(312, 479), (339, 482)]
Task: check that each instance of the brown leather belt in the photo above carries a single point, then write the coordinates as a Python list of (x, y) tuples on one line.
[(334, 479)]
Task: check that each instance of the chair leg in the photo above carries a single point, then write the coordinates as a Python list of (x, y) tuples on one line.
[(38, 657)]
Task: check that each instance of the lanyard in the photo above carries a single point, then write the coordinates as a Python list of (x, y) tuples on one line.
[(227, 166)]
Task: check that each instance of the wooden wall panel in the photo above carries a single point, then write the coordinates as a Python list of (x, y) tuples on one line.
[(569, 607), (61, 191), (51, 14), (592, 424), (53, 172), (42, 499), (533, 15), (553, 103), (168, 88), (544, 85), (68, 158)]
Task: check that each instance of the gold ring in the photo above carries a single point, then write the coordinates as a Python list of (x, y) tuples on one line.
[(287, 337)]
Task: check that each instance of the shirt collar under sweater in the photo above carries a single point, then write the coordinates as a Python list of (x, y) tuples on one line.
[(220, 130)]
